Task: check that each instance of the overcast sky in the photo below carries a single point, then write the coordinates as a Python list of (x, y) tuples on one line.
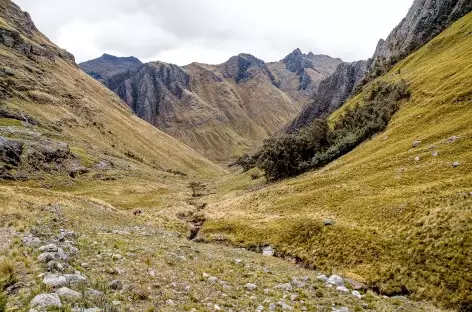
[(211, 31)]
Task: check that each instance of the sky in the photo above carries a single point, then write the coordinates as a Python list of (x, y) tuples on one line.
[(211, 31)]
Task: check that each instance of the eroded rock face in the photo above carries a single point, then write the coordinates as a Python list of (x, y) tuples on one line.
[(425, 20), (332, 93), (152, 88)]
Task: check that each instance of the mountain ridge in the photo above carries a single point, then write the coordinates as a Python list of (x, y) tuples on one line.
[(210, 107)]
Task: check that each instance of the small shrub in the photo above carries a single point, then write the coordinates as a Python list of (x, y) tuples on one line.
[(7, 273), (197, 188)]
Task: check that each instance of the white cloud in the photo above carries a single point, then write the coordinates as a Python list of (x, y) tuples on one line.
[(211, 31)]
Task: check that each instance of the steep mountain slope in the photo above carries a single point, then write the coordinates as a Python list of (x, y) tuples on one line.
[(331, 93), (46, 98), (425, 19), (221, 110), (107, 66), (395, 211)]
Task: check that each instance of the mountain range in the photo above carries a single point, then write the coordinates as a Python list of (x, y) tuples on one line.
[(113, 196), (224, 110)]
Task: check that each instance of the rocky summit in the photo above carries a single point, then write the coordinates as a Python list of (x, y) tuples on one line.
[(116, 194)]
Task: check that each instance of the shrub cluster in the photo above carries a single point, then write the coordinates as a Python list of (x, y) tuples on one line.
[(317, 144)]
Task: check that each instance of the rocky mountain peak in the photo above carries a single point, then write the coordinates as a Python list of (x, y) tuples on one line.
[(297, 61), (107, 66), (244, 66)]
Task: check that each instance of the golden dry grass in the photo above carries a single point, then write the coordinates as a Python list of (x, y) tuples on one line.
[(402, 225)]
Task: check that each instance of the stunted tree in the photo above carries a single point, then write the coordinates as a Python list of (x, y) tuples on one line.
[(197, 188)]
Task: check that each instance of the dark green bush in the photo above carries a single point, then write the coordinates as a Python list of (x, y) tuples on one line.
[(316, 145)]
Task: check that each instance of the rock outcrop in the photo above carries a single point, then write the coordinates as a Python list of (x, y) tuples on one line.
[(425, 20), (332, 93)]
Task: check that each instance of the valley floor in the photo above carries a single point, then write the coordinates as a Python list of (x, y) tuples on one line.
[(128, 262)]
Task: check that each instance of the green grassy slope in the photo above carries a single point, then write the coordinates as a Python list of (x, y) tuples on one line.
[(402, 224)]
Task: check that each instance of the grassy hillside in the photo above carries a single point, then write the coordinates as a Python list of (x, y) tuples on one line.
[(111, 155), (402, 218)]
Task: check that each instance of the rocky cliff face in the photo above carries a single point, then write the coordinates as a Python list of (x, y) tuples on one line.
[(300, 74), (425, 20), (332, 93), (152, 88), (108, 66)]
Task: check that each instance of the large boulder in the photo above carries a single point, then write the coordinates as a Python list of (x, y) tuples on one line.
[(46, 301)]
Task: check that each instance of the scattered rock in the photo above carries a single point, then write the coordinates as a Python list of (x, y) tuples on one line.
[(75, 279), (260, 308), (55, 280), (342, 289), (285, 306), (452, 139), (268, 251), (455, 164), (94, 293), (416, 143), (213, 279), (31, 241), (357, 294), (272, 307), (170, 302), (417, 158), (68, 293), (45, 301), (48, 248), (434, 154), (335, 280), (328, 222), (322, 277), (343, 309), (298, 283), (250, 286), (284, 287), (356, 285), (48, 256), (116, 302), (116, 285), (55, 266)]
